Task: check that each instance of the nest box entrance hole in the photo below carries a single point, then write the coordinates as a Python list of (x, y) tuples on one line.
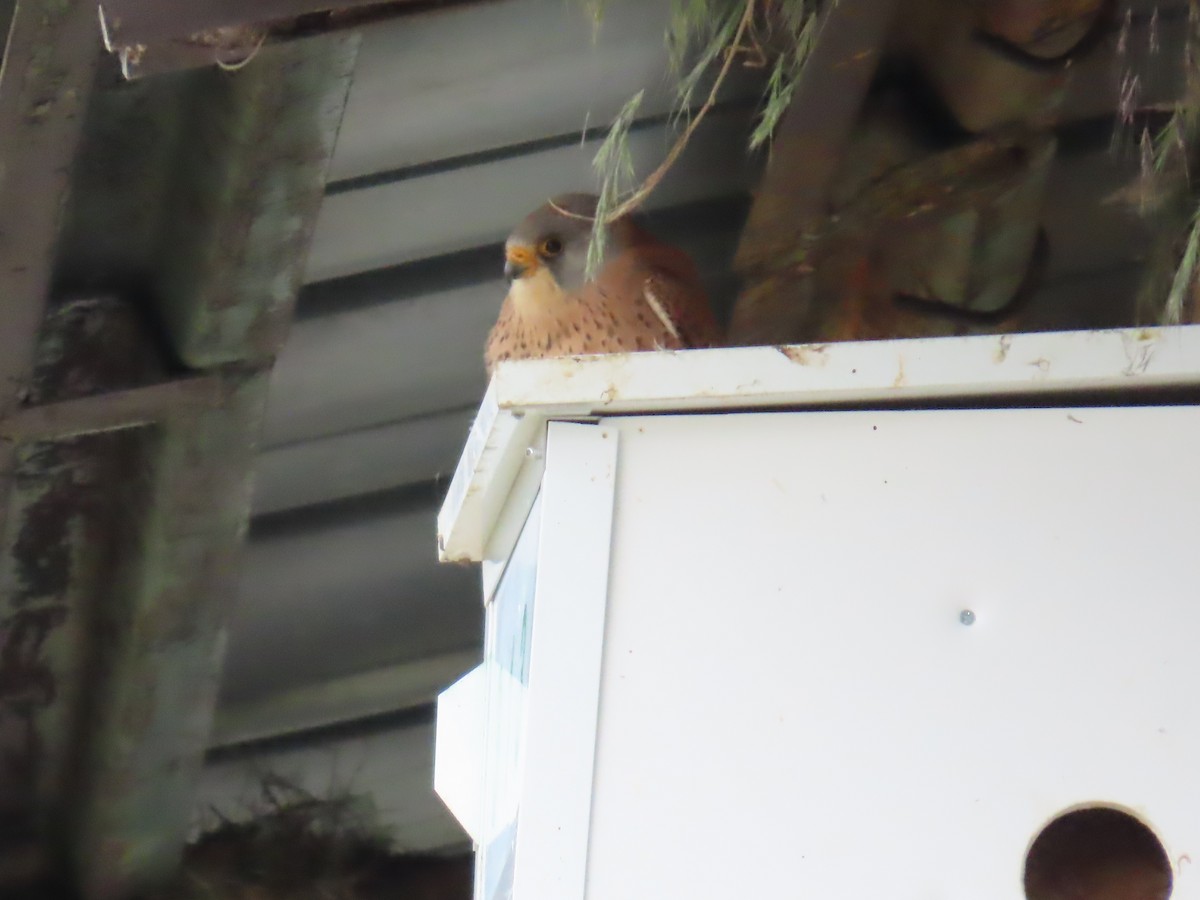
[(1098, 853)]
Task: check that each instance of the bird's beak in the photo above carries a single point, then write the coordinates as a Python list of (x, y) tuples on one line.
[(519, 261)]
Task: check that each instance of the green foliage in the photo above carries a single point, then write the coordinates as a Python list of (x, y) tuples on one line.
[(700, 35), (1169, 168), (1185, 276), (595, 10), (1168, 142), (614, 163), (786, 71), (699, 31)]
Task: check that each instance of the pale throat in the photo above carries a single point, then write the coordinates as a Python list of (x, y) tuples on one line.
[(537, 295)]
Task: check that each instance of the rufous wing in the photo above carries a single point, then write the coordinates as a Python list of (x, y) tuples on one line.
[(672, 289)]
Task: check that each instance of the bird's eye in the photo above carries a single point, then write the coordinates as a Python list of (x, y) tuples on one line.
[(551, 247)]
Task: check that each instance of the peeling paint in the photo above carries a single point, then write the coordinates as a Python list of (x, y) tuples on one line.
[(805, 354), (1139, 352), (1002, 348)]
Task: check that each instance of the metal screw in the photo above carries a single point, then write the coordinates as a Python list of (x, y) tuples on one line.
[(533, 453), (967, 617)]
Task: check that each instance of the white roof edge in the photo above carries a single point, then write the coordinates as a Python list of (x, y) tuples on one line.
[(523, 395), (486, 470)]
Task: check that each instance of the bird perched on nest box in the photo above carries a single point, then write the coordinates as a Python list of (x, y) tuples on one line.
[(646, 295)]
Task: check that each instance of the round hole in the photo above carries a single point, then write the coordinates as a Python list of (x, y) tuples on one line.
[(1098, 853)]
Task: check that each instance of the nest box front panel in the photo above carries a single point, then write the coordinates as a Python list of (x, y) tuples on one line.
[(873, 654)]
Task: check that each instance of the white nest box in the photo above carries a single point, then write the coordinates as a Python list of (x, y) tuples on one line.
[(843, 621)]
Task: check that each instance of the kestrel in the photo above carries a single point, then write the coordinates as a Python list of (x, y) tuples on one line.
[(645, 296)]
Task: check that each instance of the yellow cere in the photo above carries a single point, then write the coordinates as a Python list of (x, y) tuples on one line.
[(523, 257)]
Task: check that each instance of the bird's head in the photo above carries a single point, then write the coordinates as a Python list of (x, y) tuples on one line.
[(549, 246)]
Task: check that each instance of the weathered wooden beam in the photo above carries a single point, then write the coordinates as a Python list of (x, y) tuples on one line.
[(116, 409), (202, 187), (128, 22), (150, 37), (863, 203), (49, 68), (74, 510), (809, 144), (51, 54), (248, 187), (806, 153), (126, 448), (158, 672)]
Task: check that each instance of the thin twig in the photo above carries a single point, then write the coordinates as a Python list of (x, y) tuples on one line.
[(568, 214), (634, 200)]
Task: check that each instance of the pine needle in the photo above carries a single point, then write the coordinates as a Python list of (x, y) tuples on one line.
[(700, 32), (718, 34), (1168, 143), (634, 200), (1167, 172), (595, 11), (614, 163), (785, 74)]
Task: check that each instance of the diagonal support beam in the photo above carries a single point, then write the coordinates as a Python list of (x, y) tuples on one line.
[(806, 153), (808, 146), (116, 409)]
